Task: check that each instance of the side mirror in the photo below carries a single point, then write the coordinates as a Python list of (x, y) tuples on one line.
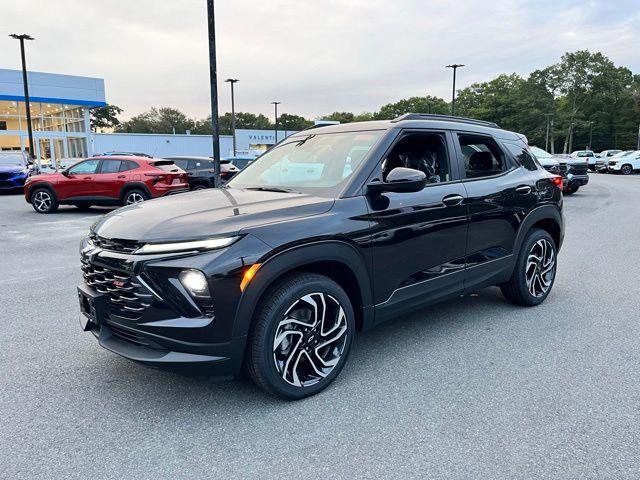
[(401, 180), (66, 173)]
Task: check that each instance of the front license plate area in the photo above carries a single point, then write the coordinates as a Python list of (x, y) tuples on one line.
[(92, 305)]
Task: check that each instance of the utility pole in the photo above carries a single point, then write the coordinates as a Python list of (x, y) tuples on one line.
[(275, 131), (455, 67), (549, 117), (638, 138), (590, 147), (213, 78), (232, 81), (25, 83)]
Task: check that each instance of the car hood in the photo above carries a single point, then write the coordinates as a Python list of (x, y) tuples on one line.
[(575, 161), (12, 168), (206, 213)]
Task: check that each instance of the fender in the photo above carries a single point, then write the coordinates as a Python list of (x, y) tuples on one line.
[(129, 185), (544, 212), (40, 184), (293, 258)]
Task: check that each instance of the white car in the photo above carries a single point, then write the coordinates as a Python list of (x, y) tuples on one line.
[(625, 164), (588, 155)]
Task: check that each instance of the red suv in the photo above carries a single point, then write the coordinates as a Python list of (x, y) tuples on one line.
[(105, 181)]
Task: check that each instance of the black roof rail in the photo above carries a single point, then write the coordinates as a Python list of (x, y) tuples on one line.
[(444, 118)]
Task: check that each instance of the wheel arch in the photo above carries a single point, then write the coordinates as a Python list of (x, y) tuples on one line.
[(548, 218), (39, 185), (127, 187), (337, 260)]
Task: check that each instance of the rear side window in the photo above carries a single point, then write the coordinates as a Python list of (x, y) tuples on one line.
[(522, 156), (481, 155), (183, 163), (127, 165), (110, 166)]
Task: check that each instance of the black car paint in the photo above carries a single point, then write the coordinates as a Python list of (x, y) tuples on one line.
[(393, 252)]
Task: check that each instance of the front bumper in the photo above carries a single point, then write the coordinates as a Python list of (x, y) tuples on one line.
[(136, 307), (12, 181), (577, 180)]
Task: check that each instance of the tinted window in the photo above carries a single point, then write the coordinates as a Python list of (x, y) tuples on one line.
[(522, 156), (110, 166), (183, 163), (88, 166), (166, 165), (482, 156), (199, 164), (426, 152), (127, 165)]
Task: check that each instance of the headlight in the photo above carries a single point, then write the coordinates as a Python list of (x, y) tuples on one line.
[(212, 244), (195, 282)]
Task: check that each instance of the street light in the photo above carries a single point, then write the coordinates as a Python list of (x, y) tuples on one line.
[(213, 78), (25, 83), (275, 106), (232, 81), (455, 67)]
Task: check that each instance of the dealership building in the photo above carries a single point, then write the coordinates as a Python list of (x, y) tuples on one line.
[(60, 119)]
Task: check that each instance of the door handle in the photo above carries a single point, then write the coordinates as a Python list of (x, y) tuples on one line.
[(452, 200), (523, 190), (87, 178), (122, 176)]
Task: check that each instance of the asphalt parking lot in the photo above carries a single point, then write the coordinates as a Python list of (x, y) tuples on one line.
[(472, 388)]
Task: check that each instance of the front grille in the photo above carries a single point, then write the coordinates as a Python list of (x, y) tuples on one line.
[(579, 169), (115, 245), (126, 297)]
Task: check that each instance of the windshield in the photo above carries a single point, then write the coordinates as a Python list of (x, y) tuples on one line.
[(12, 159), (540, 153), (317, 163), (623, 154)]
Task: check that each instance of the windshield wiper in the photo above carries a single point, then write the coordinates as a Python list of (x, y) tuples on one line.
[(271, 189)]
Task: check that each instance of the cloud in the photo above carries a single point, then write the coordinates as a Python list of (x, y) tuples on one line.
[(315, 57)]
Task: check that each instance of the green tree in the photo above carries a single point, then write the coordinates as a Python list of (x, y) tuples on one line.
[(103, 118), (158, 120), (290, 122), (428, 104)]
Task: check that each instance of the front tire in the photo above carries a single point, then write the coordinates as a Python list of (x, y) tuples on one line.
[(301, 336), (626, 169), (44, 201), (535, 270)]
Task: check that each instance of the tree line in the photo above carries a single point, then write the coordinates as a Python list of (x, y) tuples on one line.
[(582, 100)]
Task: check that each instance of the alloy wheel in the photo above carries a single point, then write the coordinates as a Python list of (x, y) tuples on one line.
[(42, 201), (134, 197), (626, 169), (540, 268), (310, 340)]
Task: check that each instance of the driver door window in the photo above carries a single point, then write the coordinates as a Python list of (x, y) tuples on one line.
[(481, 155), (426, 152), (87, 167)]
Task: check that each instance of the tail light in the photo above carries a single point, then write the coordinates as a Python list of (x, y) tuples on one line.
[(557, 181)]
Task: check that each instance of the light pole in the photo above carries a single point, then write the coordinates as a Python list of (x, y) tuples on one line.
[(590, 135), (275, 106), (232, 81), (638, 137), (25, 83), (455, 67), (213, 78)]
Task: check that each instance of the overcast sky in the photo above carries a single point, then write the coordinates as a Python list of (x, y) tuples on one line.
[(315, 57)]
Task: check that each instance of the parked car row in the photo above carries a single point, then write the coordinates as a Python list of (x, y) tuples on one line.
[(574, 170), (625, 162)]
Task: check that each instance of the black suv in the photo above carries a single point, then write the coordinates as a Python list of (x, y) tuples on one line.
[(334, 230), (201, 170)]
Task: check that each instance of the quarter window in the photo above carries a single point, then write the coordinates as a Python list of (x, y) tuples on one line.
[(127, 165), (481, 155), (522, 156)]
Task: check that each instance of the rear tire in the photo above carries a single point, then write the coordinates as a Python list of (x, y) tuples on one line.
[(199, 186), (626, 169), (134, 196), (44, 201), (301, 336), (534, 272)]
